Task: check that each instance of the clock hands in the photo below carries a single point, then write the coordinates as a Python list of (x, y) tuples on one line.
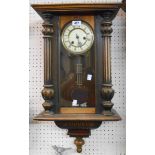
[(79, 43), (71, 43), (77, 37)]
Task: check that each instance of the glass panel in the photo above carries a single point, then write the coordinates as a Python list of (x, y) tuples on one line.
[(77, 77)]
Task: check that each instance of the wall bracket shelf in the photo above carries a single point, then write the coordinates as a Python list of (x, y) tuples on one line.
[(47, 116)]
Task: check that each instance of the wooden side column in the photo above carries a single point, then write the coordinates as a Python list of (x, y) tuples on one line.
[(107, 92), (48, 91)]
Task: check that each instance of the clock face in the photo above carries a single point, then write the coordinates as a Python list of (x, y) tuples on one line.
[(77, 38)]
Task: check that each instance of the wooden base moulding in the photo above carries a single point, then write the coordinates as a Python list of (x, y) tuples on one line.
[(79, 126)]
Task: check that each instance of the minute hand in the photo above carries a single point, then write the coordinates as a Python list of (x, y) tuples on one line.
[(79, 43)]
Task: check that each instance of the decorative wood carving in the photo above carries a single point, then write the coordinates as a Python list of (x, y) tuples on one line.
[(78, 121), (78, 124), (79, 134), (79, 142), (107, 92), (48, 91)]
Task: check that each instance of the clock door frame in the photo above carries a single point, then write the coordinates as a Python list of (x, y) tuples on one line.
[(63, 21)]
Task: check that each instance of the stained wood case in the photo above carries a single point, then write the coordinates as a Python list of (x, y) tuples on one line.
[(77, 86)]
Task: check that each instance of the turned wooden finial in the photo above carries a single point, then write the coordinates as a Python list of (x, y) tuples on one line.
[(79, 142)]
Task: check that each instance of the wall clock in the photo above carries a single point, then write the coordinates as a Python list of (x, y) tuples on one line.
[(77, 66)]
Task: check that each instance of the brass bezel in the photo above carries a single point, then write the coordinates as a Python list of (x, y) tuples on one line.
[(71, 51)]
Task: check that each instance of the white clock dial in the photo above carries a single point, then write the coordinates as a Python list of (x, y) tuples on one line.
[(77, 39)]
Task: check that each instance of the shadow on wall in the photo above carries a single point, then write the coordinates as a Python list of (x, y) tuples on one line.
[(65, 151)]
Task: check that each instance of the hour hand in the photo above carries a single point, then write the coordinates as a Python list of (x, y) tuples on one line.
[(79, 43), (77, 37)]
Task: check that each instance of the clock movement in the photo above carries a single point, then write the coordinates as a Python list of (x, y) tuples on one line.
[(77, 66)]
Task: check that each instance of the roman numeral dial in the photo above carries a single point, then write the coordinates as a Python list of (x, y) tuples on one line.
[(77, 39)]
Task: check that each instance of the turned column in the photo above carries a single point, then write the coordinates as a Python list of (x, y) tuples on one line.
[(107, 92), (48, 91)]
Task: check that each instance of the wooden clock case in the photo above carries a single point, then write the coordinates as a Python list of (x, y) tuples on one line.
[(78, 121)]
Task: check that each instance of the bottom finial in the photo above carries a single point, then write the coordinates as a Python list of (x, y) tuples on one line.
[(79, 142)]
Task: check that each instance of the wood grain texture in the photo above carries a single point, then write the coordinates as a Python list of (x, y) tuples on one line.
[(70, 9), (65, 19), (79, 125), (75, 110), (75, 7), (72, 117)]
